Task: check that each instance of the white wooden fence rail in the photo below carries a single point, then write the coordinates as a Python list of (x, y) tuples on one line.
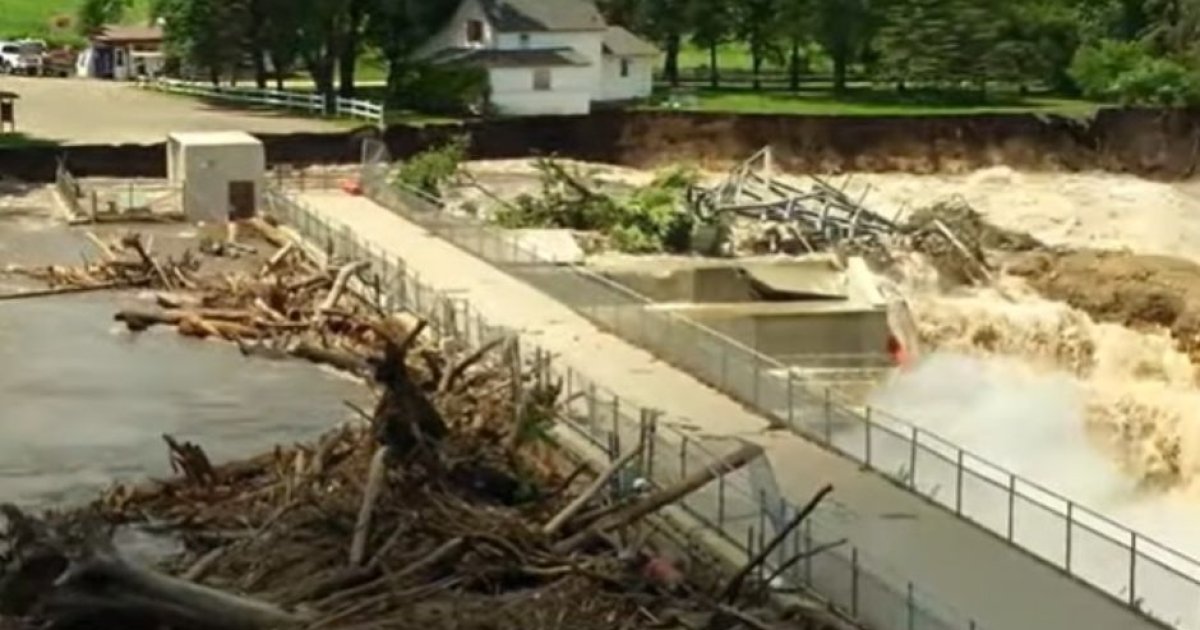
[(283, 99)]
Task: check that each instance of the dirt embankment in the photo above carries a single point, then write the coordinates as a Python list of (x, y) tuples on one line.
[(1158, 143)]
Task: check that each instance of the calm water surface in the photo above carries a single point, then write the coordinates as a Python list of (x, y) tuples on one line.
[(84, 403)]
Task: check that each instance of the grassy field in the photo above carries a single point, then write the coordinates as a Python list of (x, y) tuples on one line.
[(866, 102), (20, 140), (50, 19)]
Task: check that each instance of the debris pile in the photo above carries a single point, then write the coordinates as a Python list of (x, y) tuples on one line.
[(446, 506), (645, 220), (956, 240), (785, 218)]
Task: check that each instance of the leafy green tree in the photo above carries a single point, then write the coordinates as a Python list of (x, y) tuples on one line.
[(396, 28), (1098, 68), (712, 24), (842, 28), (666, 22), (759, 25), (940, 42), (208, 35), (93, 14), (796, 28)]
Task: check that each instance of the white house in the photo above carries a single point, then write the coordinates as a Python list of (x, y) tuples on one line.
[(546, 56)]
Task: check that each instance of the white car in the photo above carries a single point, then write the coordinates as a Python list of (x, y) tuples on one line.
[(22, 57)]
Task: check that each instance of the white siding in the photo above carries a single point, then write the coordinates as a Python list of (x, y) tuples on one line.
[(454, 34), (638, 84), (586, 43), (569, 93)]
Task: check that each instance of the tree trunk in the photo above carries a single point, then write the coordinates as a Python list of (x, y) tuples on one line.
[(840, 62), (714, 73), (257, 49), (756, 64), (671, 63), (280, 71), (348, 55), (794, 65)]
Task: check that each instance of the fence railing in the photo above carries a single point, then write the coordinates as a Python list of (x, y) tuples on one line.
[(735, 505), (112, 198), (310, 102), (1135, 569)]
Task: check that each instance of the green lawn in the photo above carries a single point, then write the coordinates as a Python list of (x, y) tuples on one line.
[(19, 140), (866, 102), (41, 18), (730, 56)]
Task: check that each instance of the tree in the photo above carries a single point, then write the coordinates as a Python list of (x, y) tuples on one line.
[(666, 22), (93, 14), (796, 26), (841, 27), (759, 26), (939, 42), (711, 22), (397, 27), (209, 35)]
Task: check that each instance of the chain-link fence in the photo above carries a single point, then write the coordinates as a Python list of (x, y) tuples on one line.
[(744, 506), (1157, 580)]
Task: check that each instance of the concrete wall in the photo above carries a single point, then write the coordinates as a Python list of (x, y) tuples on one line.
[(206, 172), (637, 85), (786, 330), (569, 93)]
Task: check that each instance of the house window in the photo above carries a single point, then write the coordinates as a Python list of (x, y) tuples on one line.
[(541, 79), (474, 32), (624, 67), (524, 38)]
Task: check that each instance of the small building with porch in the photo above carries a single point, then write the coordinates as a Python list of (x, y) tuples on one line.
[(122, 53)]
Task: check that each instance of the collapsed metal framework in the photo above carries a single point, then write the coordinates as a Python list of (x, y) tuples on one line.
[(794, 219)]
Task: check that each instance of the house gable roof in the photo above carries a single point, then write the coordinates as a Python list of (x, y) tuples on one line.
[(524, 58), (112, 33), (509, 16), (622, 43)]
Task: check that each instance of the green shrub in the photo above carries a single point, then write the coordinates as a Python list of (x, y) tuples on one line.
[(648, 220), (441, 89), (1161, 82), (430, 169), (1096, 69)]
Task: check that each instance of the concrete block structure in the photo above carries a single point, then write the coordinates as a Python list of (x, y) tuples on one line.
[(222, 174)]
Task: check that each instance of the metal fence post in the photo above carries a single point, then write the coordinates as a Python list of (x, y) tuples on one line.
[(1133, 569), (867, 437), (808, 555), (1012, 502), (958, 482), (828, 417), (854, 581), (757, 387), (683, 449), (911, 600), (912, 458), (791, 400), (616, 422), (1070, 518), (721, 503)]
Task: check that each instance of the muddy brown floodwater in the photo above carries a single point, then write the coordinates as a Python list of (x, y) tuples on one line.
[(84, 403)]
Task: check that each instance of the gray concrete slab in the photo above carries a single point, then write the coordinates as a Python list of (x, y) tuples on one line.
[(93, 111)]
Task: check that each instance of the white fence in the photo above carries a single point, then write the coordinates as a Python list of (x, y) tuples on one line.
[(310, 102)]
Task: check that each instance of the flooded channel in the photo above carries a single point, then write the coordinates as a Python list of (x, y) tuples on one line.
[(85, 403)]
